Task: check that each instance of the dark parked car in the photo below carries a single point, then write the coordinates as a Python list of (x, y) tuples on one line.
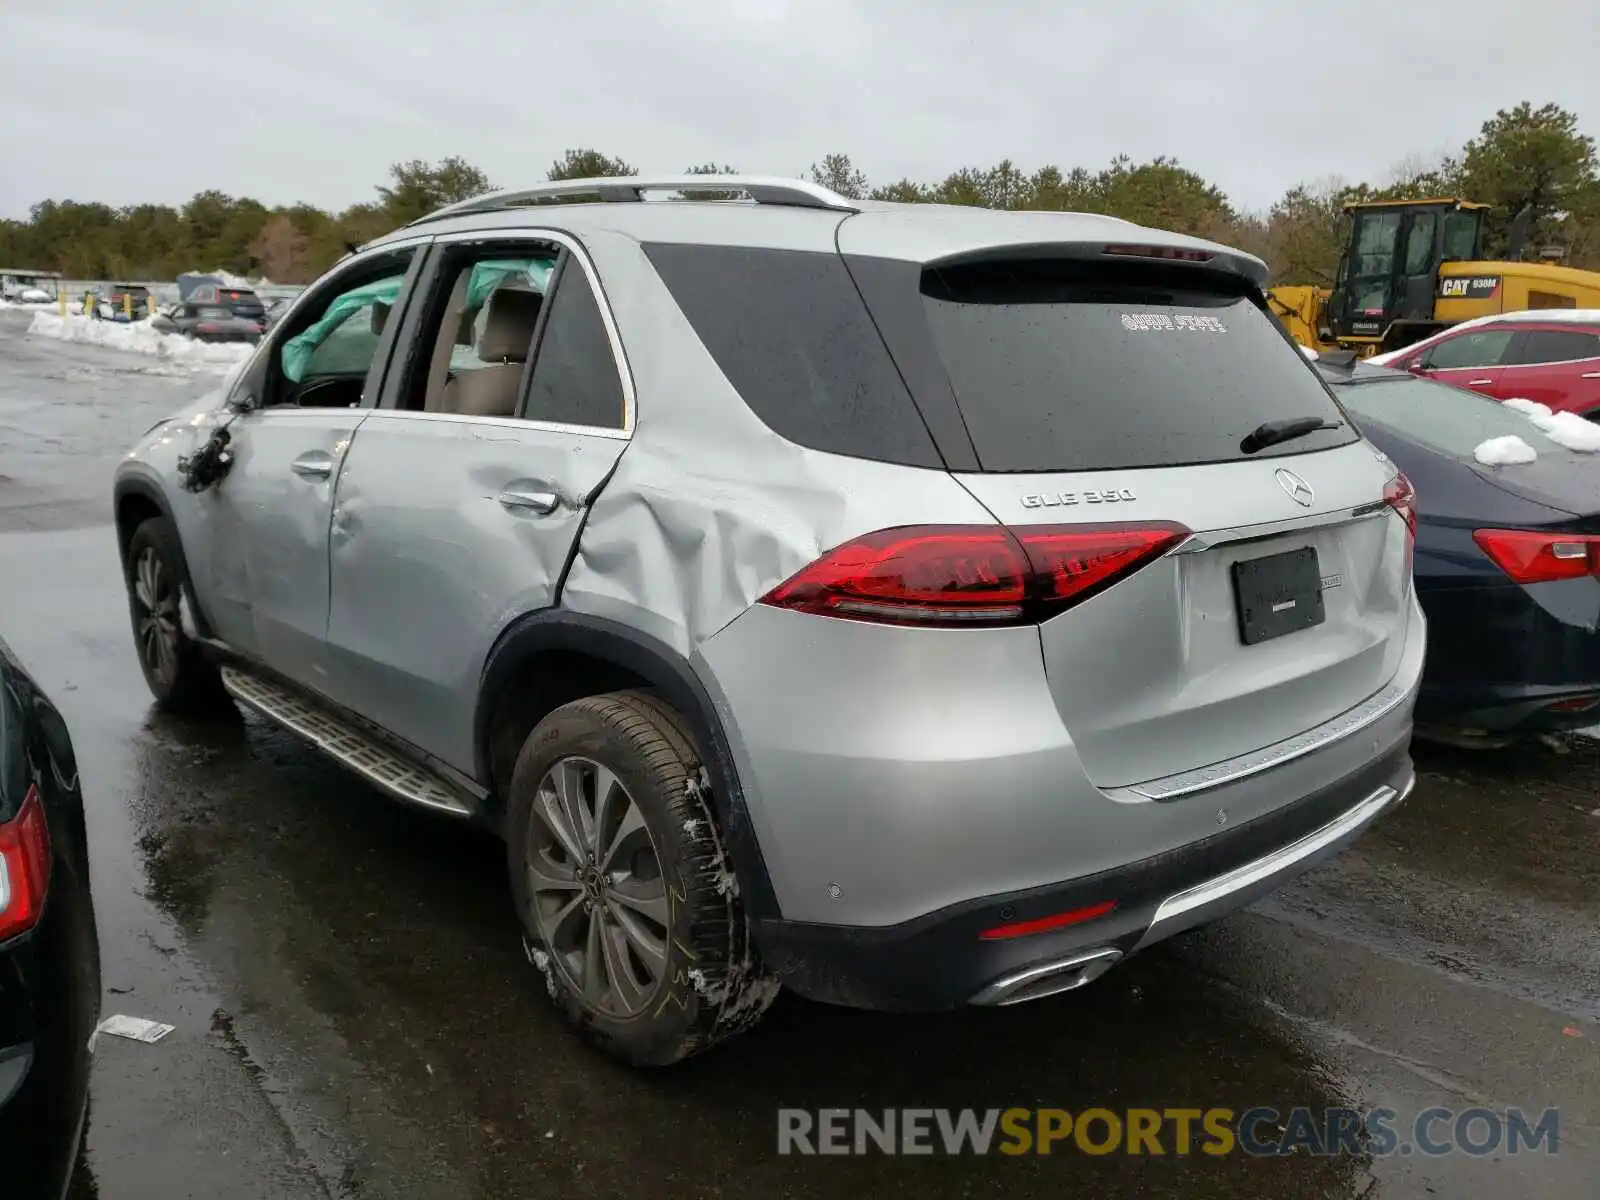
[(49, 950), (207, 323), (208, 290), (1507, 557)]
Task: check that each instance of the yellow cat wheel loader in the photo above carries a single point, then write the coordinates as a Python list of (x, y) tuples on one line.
[(1413, 267)]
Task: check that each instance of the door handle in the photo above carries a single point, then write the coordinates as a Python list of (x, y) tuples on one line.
[(1591, 375), (540, 503), (1479, 382), (313, 464)]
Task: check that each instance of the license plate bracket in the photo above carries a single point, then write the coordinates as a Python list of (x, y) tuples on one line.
[(1278, 594)]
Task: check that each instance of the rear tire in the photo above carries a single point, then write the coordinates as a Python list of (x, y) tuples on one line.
[(628, 906), (174, 668)]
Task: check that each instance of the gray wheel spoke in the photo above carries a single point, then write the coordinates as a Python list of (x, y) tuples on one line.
[(611, 805), (594, 964), (625, 989), (650, 903), (551, 813), (568, 778), (629, 828), (559, 922), (652, 950), (545, 875)]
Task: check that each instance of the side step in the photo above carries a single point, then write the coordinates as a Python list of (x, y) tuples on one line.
[(361, 753)]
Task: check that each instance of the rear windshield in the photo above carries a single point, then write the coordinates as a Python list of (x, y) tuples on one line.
[(238, 297), (1450, 420), (1069, 367)]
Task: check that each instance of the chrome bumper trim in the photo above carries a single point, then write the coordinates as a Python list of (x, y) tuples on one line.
[(1352, 720), (1214, 891)]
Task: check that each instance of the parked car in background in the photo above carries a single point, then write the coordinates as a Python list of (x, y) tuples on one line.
[(206, 323), (1551, 356), (275, 310), (23, 286), (49, 949), (1029, 600), (125, 301), (1507, 557), (211, 291)]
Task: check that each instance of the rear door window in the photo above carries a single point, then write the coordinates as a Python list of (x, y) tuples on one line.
[(1557, 345), (1068, 367)]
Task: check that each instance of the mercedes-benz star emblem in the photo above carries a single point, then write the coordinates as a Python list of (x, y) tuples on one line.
[(1299, 490)]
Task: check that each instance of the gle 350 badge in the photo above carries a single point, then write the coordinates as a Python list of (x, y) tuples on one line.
[(1095, 496)]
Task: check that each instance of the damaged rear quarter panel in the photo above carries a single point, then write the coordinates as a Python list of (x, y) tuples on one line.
[(709, 509)]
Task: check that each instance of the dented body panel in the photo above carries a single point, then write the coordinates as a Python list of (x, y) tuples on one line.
[(885, 772)]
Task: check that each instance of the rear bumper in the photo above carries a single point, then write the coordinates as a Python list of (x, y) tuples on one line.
[(1500, 656), (942, 961)]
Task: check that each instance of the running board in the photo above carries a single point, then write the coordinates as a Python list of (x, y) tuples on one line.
[(344, 744)]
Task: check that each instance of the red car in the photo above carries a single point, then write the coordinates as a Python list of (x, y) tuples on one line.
[(1552, 356)]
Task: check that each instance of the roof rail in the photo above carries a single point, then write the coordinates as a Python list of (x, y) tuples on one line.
[(761, 189)]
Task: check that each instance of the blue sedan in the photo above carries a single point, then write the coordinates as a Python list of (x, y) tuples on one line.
[(1507, 556)]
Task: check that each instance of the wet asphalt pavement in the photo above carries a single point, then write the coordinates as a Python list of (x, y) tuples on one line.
[(355, 1019)]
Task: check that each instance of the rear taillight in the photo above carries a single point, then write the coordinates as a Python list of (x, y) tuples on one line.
[(1529, 556), (24, 867), (1399, 495), (971, 574)]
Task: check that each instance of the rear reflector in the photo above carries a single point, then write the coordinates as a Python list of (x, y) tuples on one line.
[(1531, 556), (971, 574), (1044, 924), (24, 867)]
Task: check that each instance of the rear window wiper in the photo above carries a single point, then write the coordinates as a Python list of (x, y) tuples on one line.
[(1271, 433)]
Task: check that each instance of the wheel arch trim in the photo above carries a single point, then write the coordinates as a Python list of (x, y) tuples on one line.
[(674, 678)]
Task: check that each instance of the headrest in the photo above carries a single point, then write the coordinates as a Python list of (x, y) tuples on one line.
[(380, 315), (508, 325)]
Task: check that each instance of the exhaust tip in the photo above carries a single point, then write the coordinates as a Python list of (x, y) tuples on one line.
[(1048, 978)]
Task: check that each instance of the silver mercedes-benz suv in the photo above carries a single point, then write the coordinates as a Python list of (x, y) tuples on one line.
[(906, 605)]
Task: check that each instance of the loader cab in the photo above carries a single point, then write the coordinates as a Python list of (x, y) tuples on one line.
[(1388, 276)]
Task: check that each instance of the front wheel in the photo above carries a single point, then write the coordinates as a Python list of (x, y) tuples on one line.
[(628, 905), (177, 673)]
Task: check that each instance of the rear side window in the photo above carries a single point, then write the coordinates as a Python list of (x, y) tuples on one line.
[(1558, 345), (1061, 366), (790, 332)]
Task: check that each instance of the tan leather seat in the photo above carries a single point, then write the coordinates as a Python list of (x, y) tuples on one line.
[(507, 337)]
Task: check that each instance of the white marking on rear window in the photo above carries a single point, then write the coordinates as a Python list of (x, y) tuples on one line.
[(1178, 323)]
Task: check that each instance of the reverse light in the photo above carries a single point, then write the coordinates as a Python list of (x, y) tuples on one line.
[(971, 574), (24, 867), (1076, 916), (1532, 556)]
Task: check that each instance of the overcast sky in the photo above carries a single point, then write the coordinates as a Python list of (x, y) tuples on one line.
[(286, 100)]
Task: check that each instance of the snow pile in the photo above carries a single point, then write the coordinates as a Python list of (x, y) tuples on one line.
[(1309, 352), (1502, 451), (139, 337), (1563, 428)]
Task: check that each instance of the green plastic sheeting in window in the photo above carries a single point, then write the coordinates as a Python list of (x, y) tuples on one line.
[(298, 350), (297, 353)]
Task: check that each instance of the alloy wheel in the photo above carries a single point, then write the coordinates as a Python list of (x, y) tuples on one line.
[(155, 619), (596, 887)]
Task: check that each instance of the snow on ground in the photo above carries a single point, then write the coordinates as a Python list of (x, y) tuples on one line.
[(139, 337), (1563, 428), (1502, 451)]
